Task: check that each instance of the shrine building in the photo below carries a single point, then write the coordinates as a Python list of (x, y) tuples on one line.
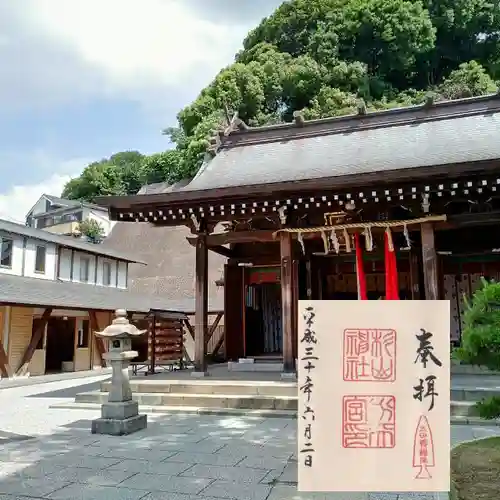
[(398, 204)]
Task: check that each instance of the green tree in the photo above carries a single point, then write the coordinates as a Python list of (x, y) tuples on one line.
[(98, 179), (469, 80), (321, 57), (92, 230)]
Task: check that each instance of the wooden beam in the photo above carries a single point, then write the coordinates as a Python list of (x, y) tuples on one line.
[(429, 259), (214, 325), (219, 239), (5, 369), (35, 339), (474, 219), (98, 342), (219, 249), (219, 343), (286, 300), (201, 304)]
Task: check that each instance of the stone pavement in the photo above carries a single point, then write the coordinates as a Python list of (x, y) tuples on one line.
[(47, 453)]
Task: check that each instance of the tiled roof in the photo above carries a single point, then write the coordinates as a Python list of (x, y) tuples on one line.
[(61, 201), (280, 157), (66, 241), (170, 262), (376, 150), (67, 295)]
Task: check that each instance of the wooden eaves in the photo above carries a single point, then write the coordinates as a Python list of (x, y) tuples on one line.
[(185, 198)]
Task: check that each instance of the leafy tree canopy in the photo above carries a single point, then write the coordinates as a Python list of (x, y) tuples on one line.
[(321, 57)]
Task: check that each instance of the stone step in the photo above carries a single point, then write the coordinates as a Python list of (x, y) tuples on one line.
[(240, 401), (457, 369), (274, 389), (236, 366), (186, 410), (473, 393), (463, 409), (455, 419), (199, 387)]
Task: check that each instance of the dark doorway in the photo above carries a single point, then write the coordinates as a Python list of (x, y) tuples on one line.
[(263, 329), (60, 345)]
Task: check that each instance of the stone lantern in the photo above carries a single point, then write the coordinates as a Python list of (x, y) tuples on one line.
[(120, 415)]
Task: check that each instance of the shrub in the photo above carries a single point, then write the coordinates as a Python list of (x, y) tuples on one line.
[(481, 327), (489, 408)]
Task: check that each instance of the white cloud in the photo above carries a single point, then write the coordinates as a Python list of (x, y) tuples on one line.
[(18, 200), (56, 49)]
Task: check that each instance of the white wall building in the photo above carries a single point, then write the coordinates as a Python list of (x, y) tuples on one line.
[(33, 253), (61, 216), (55, 291)]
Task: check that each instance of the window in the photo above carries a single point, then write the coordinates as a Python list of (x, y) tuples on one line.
[(73, 217), (40, 259), (106, 273), (6, 252), (83, 334), (84, 269)]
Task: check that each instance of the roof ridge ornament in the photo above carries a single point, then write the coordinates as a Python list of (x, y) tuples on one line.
[(298, 118), (362, 109), (235, 124)]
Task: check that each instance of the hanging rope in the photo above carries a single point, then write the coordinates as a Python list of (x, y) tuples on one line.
[(335, 241), (347, 241), (368, 239), (301, 241), (325, 242), (363, 225), (407, 236)]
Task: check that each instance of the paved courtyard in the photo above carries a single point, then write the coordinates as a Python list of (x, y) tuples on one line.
[(50, 453)]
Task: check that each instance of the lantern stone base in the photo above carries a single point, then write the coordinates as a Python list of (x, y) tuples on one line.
[(115, 427), (119, 419)]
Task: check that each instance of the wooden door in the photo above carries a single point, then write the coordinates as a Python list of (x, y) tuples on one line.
[(83, 359)]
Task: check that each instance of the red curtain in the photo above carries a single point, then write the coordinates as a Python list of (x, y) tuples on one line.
[(360, 272), (391, 272)]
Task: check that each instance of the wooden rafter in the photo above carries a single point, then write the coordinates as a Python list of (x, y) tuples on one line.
[(35, 339), (98, 342)]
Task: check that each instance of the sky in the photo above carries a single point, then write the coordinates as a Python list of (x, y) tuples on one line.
[(83, 79)]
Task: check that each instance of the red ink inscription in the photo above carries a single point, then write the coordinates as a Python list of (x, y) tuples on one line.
[(369, 355), (423, 449), (369, 421)]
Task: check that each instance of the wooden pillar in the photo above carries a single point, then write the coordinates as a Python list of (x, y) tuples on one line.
[(287, 301), (35, 339), (97, 342), (429, 261), (201, 304)]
